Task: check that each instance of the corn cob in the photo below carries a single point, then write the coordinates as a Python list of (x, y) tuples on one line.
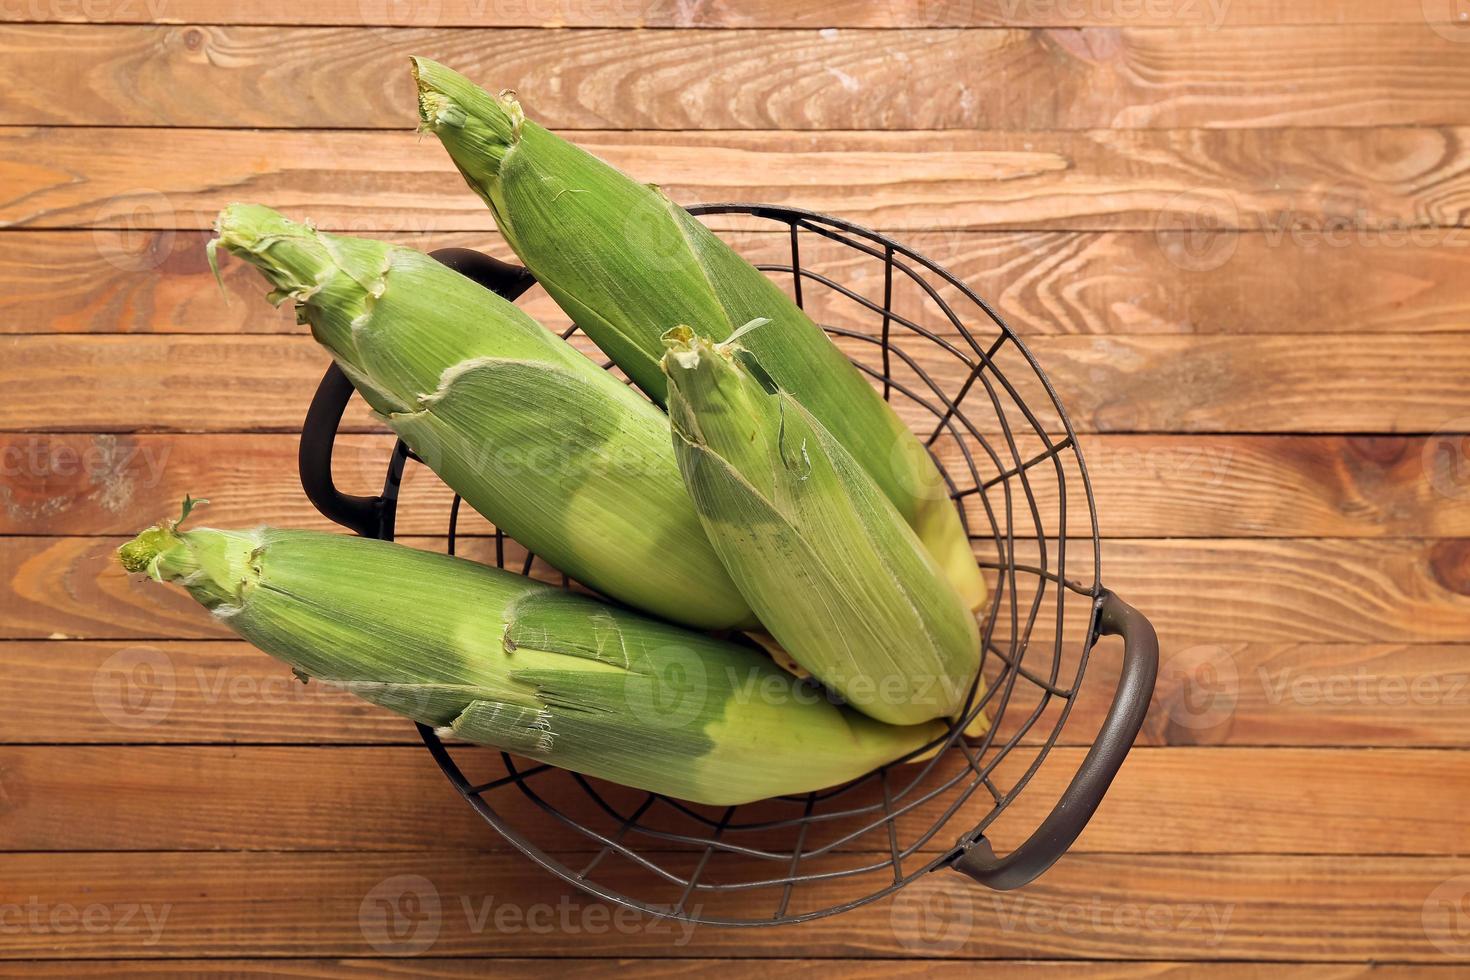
[(568, 460), (627, 264), (490, 657), (823, 557)]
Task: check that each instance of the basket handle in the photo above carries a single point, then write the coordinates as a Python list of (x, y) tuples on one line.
[(319, 432), (977, 858)]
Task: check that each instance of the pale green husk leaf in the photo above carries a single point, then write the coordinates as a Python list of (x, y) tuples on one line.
[(627, 264), (825, 560), (568, 460), (494, 658)]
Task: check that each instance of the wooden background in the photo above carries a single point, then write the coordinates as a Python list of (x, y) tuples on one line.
[(1233, 232)]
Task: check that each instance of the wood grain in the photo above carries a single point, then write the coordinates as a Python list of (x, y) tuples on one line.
[(729, 14), (140, 281), (1182, 486), (737, 969), (1235, 907), (1388, 383), (1226, 800), (731, 79), (1194, 591), (1239, 694), (1355, 183), (1234, 234)]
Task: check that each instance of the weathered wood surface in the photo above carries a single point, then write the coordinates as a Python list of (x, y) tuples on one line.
[(739, 969), (728, 14), (1234, 234), (1093, 78), (1242, 694), (1170, 485), (1260, 907), (1355, 183), (1389, 383), (1298, 590), (1128, 283), (1230, 800)]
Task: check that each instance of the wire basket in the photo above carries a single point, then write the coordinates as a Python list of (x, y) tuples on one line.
[(961, 377)]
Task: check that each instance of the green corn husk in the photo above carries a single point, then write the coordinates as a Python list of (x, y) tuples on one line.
[(627, 264), (825, 560), (490, 657), (568, 460)]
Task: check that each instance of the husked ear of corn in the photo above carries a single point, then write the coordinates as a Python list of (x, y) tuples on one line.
[(627, 264), (565, 458), (490, 657), (823, 557)]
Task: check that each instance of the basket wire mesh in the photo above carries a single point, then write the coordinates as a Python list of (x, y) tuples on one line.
[(987, 413)]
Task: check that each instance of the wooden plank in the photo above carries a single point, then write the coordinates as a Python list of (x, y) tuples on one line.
[(1181, 486), (1093, 78), (736, 969), (1384, 384), (1356, 182), (1098, 906), (190, 691), (134, 281), (1241, 694), (753, 13), (1222, 801), (1195, 592)]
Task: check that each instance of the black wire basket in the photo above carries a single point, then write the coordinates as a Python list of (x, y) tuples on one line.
[(961, 377)]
